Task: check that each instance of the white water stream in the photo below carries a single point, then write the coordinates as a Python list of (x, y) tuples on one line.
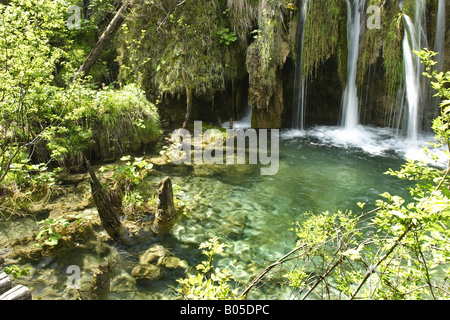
[(298, 119), (414, 40), (350, 105)]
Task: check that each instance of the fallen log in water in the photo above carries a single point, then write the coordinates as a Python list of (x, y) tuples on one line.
[(8, 292), (5, 283)]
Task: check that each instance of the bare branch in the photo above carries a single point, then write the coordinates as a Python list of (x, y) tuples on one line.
[(266, 270), (386, 255)]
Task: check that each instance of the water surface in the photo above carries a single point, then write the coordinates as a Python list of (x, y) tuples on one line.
[(249, 212)]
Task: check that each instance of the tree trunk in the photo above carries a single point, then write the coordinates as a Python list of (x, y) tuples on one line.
[(189, 98), (107, 212), (187, 118), (104, 40)]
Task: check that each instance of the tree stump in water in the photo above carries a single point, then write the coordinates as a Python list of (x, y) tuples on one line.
[(166, 208), (101, 283), (107, 212)]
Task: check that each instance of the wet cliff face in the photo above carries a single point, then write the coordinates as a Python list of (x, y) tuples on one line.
[(324, 60), (266, 92), (258, 68), (324, 95)]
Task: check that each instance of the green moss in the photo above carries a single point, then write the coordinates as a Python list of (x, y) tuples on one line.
[(386, 41), (393, 54), (267, 49), (322, 33)]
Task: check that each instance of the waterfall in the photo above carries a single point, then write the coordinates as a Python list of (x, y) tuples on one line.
[(245, 122), (350, 105), (414, 39), (439, 37), (298, 117), (439, 48), (412, 85)]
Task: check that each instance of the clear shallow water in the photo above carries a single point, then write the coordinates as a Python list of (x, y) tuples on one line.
[(319, 171), (253, 213)]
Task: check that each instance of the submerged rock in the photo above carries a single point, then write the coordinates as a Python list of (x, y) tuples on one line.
[(150, 272), (154, 262)]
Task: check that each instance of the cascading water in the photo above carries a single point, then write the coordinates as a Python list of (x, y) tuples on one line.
[(412, 107), (350, 105), (439, 37), (411, 82), (298, 117), (245, 122), (414, 39), (439, 48)]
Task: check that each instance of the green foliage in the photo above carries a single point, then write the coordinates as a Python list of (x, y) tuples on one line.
[(226, 36), (177, 46), (27, 61), (440, 83), (209, 283), (401, 249), (49, 231), (107, 123), (126, 179), (127, 118), (130, 175), (132, 172), (16, 271), (38, 117), (32, 175), (77, 43)]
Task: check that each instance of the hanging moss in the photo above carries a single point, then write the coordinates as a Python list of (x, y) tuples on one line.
[(268, 52), (387, 42), (373, 41), (393, 54), (321, 33), (243, 17)]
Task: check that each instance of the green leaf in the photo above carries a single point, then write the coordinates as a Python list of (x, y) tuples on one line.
[(52, 241), (41, 234)]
